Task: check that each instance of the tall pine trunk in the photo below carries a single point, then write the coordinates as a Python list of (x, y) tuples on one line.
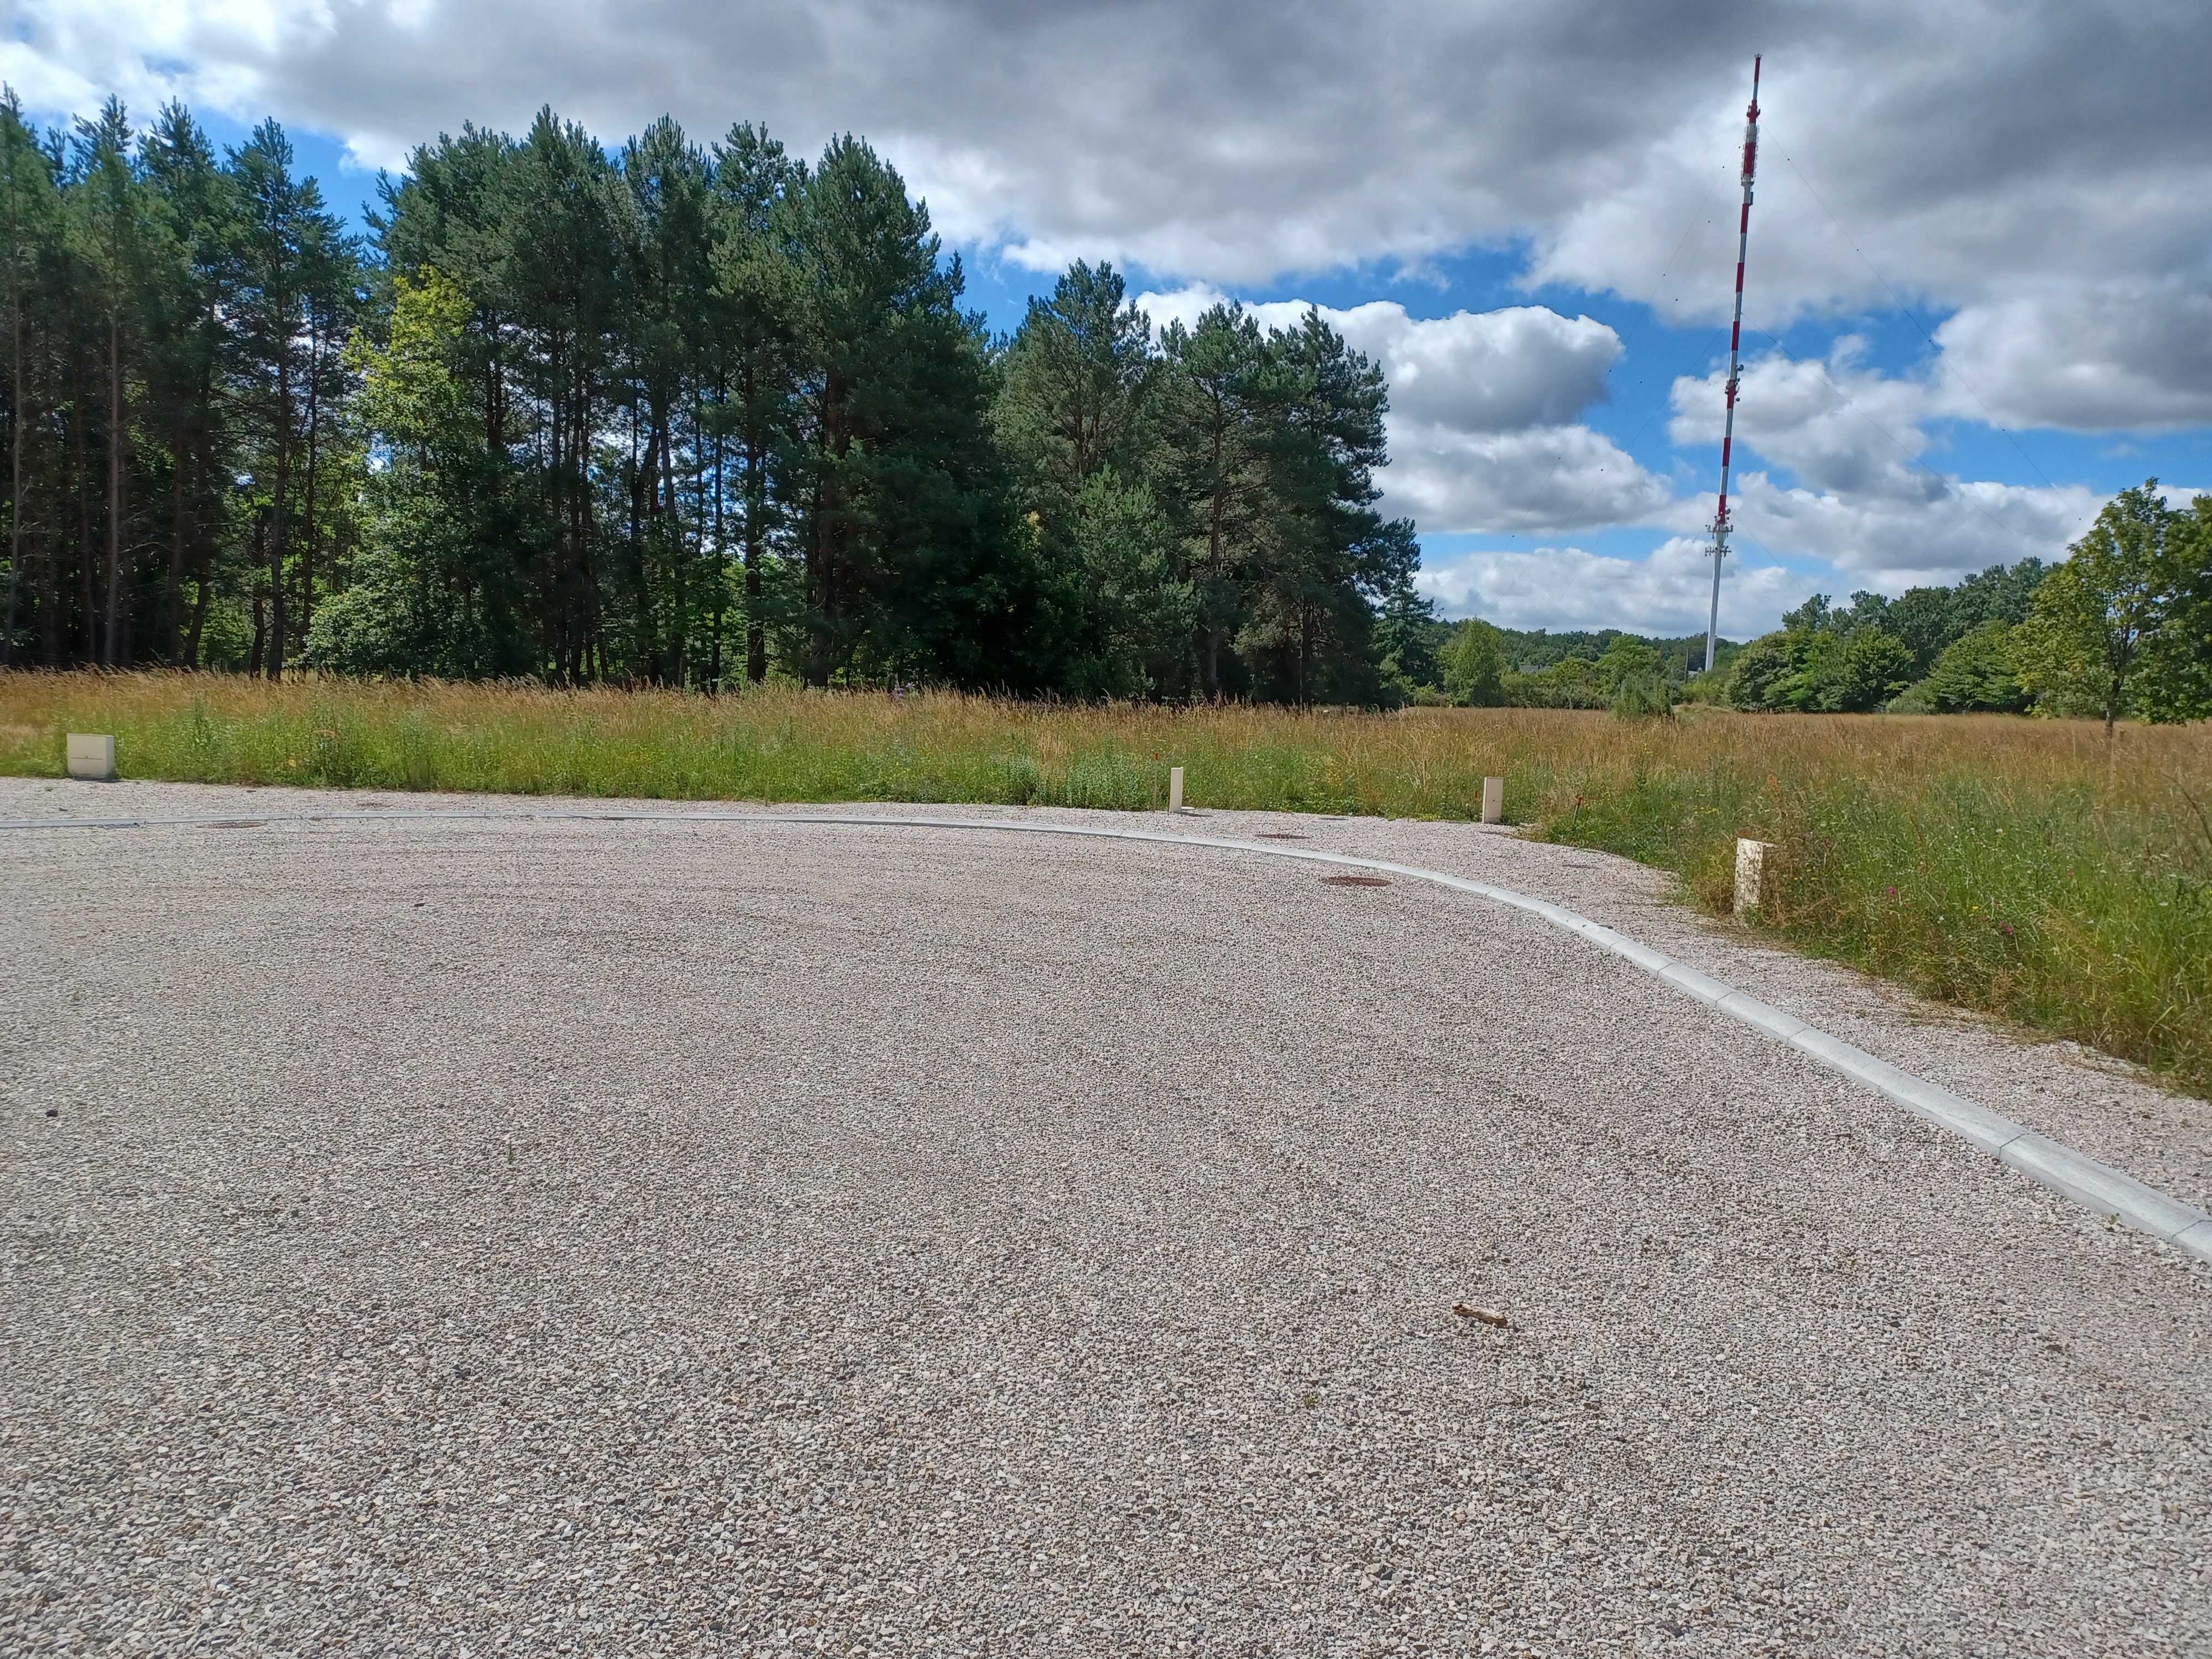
[(307, 510), (172, 579), (756, 511), (81, 474), (203, 572), (16, 425), (277, 612), (721, 547), (115, 437)]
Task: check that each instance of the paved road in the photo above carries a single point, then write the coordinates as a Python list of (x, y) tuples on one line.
[(629, 1238)]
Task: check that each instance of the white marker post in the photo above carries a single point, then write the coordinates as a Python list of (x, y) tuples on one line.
[(1750, 876), (1494, 800), (1174, 789), (92, 756)]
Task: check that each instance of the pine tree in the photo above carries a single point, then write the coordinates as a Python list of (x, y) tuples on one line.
[(292, 270), (755, 354), (28, 214)]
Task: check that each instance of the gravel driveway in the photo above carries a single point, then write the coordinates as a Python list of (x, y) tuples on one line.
[(544, 1237)]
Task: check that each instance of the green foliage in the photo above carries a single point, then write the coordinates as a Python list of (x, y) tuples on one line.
[(181, 481), (1474, 669), (432, 591), (2176, 681), (1871, 668), (1977, 673), (1201, 510), (1632, 673), (1628, 658), (663, 414), (1643, 697), (1569, 683), (1410, 641), (1824, 661), (2118, 628)]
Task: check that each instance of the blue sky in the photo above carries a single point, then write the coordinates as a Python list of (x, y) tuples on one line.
[(1995, 311)]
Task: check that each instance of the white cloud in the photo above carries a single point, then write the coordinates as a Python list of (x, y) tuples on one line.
[(2031, 170), (1837, 426), (1482, 408), (1863, 499), (2098, 357), (1964, 145), (1489, 371), (1566, 587), (1893, 544), (1545, 478)]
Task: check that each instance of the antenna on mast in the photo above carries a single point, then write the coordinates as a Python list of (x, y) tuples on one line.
[(1720, 524)]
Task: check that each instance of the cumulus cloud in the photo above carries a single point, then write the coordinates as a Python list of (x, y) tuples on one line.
[(1566, 587), (1894, 544), (2027, 173), (2095, 358), (1545, 478), (1489, 371), (1961, 144), (1863, 498), (1837, 426), (1482, 406)]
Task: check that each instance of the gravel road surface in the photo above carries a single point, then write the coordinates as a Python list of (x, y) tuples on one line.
[(590, 1237)]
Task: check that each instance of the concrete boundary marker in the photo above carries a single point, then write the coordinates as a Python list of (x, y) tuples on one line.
[(2096, 1187)]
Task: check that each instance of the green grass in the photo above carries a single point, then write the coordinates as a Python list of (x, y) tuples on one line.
[(2024, 868)]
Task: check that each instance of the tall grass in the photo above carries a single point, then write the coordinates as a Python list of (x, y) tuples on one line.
[(2025, 868)]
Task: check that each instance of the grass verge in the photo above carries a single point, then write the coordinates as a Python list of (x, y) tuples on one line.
[(2027, 869)]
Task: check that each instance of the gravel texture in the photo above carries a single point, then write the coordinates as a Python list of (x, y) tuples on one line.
[(687, 1237)]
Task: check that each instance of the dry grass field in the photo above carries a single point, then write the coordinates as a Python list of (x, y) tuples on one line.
[(2028, 869)]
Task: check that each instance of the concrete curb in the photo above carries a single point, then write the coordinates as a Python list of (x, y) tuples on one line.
[(2096, 1187)]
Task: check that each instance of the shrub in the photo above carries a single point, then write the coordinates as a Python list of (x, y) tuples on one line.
[(1474, 671), (1977, 674)]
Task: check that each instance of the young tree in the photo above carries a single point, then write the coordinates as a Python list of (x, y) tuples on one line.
[(2082, 647), (1977, 673), (2176, 679), (435, 592), (1474, 666)]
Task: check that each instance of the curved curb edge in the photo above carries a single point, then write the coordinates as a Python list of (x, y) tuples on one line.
[(2096, 1187)]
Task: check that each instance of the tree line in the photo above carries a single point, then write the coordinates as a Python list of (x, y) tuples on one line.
[(2122, 628), (673, 413)]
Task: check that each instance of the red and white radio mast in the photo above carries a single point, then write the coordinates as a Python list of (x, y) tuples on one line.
[(1720, 526)]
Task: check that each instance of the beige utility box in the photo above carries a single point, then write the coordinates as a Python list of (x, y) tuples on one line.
[(1494, 800), (92, 756)]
